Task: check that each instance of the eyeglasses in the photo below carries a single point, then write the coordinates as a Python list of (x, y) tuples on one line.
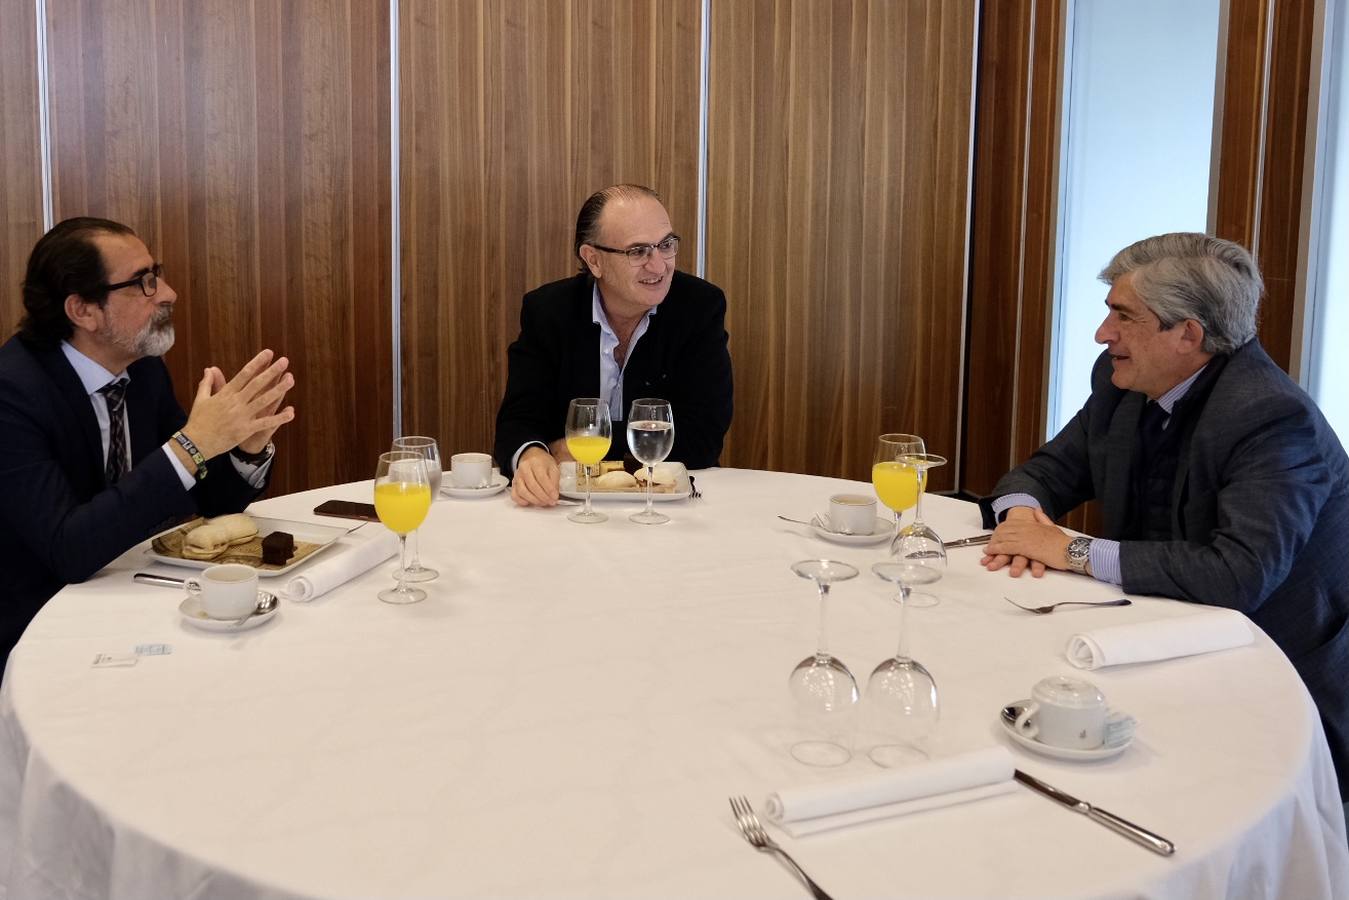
[(148, 281), (638, 254)]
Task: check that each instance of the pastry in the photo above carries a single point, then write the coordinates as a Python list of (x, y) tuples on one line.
[(277, 548), (617, 480), (609, 465), (215, 536), (660, 478)]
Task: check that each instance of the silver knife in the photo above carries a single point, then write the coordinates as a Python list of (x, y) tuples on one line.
[(160, 580), (1154, 842), (968, 542)]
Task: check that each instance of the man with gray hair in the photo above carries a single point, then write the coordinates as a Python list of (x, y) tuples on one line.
[(1220, 481)]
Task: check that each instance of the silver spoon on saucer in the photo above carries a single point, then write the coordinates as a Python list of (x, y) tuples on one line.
[(266, 603)]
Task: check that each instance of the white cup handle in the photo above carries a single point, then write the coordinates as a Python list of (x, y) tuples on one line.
[(1024, 726)]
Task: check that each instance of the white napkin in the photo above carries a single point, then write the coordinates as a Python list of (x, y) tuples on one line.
[(1202, 632), (354, 554), (894, 792)]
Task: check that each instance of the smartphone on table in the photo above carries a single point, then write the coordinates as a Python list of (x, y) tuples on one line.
[(347, 509)]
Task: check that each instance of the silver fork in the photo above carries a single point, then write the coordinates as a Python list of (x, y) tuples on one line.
[(759, 840), (694, 493), (1046, 610)]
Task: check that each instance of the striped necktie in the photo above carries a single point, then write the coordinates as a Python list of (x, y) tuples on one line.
[(115, 393)]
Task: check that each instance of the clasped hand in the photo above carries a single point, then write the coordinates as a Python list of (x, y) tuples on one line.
[(1027, 538), (241, 412)]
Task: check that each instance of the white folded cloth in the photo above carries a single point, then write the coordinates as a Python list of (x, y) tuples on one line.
[(895, 792), (352, 555), (1202, 632)]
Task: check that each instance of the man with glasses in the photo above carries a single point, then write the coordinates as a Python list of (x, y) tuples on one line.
[(628, 326), (96, 455)]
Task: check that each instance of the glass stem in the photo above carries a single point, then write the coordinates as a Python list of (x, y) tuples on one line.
[(416, 555), (587, 509), (902, 651), (822, 650), (922, 488), (650, 474), (402, 562)]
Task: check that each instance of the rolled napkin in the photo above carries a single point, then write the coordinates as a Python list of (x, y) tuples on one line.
[(895, 792), (1202, 632), (354, 555)]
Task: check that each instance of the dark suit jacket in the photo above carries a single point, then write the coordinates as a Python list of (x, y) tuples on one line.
[(682, 358), (1259, 513), (60, 522)]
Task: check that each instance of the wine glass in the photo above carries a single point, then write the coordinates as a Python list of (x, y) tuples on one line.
[(427, 448), (901, 707), (896, 484), (589, 433), (650, 438), (402, 499), (919, 463), (822, 688)]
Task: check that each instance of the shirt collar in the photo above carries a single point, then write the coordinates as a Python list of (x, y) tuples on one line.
[(599, 318), (92, 376), (1169, 400)]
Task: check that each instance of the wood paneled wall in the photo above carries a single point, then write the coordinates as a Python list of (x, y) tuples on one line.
[(837, 198), (513, 113), (20, 154), (248, 145)]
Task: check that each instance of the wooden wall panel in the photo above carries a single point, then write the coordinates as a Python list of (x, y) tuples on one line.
[(512, 113), (248, 145), (1013, 242), (20, 155), (837, 198)]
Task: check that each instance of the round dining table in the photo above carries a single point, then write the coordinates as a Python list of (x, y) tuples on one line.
[(568, 711)]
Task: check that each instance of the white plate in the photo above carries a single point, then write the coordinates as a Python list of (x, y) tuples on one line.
[(498, 485), (1105, 752), (573, 491), (194, 615), (883, 530), (323, 535)]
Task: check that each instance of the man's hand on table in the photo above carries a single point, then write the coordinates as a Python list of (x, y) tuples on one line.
[(537, 479), (1027, 538)]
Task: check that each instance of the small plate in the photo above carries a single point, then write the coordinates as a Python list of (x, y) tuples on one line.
[(1106, 752), (884, 530), (498, 485), (194, 615), (322, 535), (573, 491)]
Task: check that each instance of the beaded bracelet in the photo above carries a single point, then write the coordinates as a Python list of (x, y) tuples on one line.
[(191, 449)]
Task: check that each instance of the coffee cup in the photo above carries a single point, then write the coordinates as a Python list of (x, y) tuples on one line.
[(471, 470), (228, 591), (1064, 712), (852, 513)]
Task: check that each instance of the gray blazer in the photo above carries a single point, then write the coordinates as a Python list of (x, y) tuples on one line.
[(1259, 513)]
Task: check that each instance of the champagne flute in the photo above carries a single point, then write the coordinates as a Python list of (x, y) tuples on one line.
[(650, 438), (427, 448), (901, 705), (823, 689), (589, 434), (896, 484), (402, 499), (931, 547)]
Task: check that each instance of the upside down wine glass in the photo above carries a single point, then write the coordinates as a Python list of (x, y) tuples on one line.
[(901, 706), (930, 547), (589, 434), (650, 438), (402, 499), (427, 448), (823, 691)]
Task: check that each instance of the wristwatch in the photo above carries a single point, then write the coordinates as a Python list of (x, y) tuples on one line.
[(254, 459), (1079, 554)]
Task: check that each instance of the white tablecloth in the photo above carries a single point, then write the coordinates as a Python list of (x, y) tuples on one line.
[(567, 713)]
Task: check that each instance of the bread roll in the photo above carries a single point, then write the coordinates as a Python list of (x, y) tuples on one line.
[(213, 538), (616, 481), (659, 478)]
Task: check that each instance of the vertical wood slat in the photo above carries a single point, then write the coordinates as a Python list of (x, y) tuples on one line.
[(248, 146), (839, 163), (21, 157), (512, 113)]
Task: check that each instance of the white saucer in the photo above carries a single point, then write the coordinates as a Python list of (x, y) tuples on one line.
[(194, 615), (1105, 752), (883, 530), (498, 485)]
